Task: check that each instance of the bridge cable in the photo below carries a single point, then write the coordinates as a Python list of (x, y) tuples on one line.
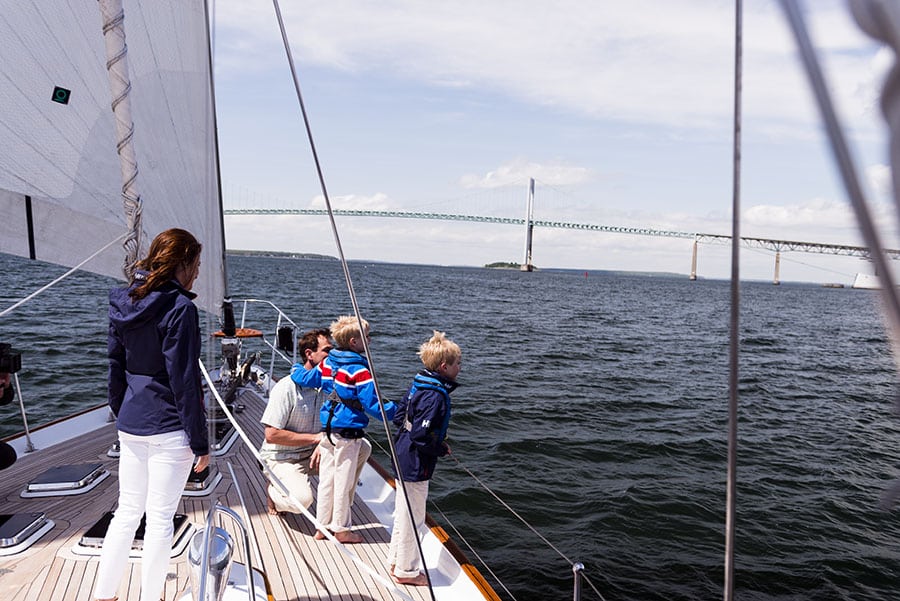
[(349, 281)]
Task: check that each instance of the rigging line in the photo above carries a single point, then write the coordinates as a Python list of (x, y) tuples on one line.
[(62, 277), (735, 311), (483, 563), (273, 478), (349, 281), (848, 170)]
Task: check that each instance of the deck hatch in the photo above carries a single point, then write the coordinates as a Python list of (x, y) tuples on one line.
[(17, 527), (96, 533), (71, 479)]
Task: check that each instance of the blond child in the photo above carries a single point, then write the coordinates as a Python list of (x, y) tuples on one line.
[(422, 420), (349, 391)]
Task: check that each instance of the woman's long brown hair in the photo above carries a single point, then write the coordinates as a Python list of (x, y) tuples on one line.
[(170, 250)]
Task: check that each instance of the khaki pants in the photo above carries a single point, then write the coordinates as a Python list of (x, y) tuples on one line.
[(294, 475), (340, 466)]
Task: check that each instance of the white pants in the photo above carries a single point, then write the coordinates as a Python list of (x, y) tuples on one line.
[(152, 473), (339, 469), (403, 553)]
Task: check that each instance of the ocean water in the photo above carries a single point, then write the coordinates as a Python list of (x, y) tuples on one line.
[(595, 405)]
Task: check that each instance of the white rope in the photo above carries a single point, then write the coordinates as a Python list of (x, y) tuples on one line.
[(120, 87), (284, 490), (60, 278)]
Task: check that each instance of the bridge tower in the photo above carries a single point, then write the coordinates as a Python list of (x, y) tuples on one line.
[(529, 226), (694, 262), (777, 279)]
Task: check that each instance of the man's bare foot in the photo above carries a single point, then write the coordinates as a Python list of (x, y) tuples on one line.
[(419, 580), (348, 537), (270, 504)]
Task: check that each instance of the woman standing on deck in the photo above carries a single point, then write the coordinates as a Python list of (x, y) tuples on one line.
[(156, 394)]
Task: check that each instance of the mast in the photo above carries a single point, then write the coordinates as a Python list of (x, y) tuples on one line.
[(529, 226)]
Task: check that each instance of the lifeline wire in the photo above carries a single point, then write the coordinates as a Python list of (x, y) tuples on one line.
[(349, 281), (521, 519), (472, 550), (512, 511), (274, 479)]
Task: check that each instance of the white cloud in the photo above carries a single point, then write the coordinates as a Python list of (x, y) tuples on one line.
[(879, 177), (818, 212), (644, 61), (635, 79), (375, 202), (520, 170)]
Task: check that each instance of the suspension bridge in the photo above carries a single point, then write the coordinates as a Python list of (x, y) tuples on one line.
[(529, 223)]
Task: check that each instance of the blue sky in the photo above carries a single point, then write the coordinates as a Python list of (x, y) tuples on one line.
[(620, 110)]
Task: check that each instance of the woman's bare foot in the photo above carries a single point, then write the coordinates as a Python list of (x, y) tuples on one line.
[(348, 537), (418, 580)]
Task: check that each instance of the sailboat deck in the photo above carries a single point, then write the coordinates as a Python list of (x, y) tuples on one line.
[(297, 566)]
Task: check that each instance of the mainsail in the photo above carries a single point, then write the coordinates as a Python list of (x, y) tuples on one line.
[(60, 177)]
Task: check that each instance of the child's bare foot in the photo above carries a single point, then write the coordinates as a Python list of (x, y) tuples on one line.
[(348, 537), (418, 580)]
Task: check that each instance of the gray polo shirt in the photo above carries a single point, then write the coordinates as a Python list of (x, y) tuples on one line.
[(291, 408)]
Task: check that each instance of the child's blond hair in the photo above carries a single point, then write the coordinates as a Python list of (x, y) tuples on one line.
[(345, 328), (439, 349)]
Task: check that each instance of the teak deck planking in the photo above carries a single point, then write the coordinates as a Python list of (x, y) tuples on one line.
[(297, 566)]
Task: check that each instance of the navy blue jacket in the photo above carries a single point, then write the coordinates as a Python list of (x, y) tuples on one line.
[(422, 419), (154, 376)]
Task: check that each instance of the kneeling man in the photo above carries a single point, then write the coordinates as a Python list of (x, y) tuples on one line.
[(294, 430)]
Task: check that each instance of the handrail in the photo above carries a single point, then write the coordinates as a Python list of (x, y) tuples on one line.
[(282, 316), (204, 562)]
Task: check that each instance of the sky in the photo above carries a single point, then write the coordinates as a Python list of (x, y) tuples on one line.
[(622, 112)]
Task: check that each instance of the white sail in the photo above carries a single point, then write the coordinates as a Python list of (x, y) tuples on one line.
[(63, 156)]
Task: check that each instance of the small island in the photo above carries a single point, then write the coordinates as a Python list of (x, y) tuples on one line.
[(506, 265)]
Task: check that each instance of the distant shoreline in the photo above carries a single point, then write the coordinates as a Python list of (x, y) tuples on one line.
[(277, 254), (499, 266)]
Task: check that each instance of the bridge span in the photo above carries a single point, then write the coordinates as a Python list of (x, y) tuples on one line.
[(774, 245)]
